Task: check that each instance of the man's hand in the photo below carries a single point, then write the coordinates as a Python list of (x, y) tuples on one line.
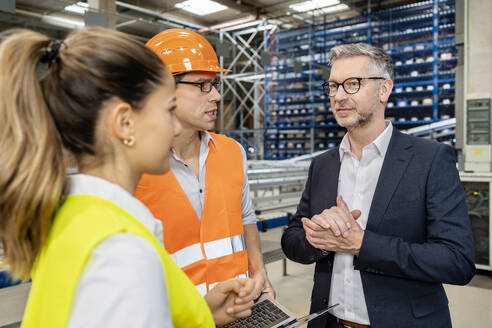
[(256, 267), (231, 300), (262, 284), (335, 229)]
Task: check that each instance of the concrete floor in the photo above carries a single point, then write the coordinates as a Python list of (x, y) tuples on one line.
[(470, 306)]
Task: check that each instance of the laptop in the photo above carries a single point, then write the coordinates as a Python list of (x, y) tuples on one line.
[(268, 313)]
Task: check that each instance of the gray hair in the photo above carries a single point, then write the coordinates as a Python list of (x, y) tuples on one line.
[(382, 62)]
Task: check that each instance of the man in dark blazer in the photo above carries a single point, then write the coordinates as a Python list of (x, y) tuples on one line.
[(383, 215)]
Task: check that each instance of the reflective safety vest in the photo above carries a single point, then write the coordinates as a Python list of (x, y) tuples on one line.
[(212, 249), (82, 223)]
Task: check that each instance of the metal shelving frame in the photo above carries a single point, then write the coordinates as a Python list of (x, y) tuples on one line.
[(244, 86), (419, 37)]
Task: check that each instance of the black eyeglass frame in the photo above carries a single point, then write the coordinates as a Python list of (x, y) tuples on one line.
[(326, 84), (215, 84)]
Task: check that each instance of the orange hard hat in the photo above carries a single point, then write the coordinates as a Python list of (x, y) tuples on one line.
[(185, 51)]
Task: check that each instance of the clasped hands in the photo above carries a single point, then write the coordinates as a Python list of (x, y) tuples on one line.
[(335, 229), (231, 299)]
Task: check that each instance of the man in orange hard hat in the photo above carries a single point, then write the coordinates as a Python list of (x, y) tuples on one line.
[(203, 201)]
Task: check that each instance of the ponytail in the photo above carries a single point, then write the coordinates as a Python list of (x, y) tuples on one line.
[(51, 94), (32, 173)]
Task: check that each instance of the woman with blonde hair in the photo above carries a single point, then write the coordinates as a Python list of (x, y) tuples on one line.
[(92, 249)]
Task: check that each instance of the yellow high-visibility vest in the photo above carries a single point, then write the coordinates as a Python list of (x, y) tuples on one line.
[(81, 223)]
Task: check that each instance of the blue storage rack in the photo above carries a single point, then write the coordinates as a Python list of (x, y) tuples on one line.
[(420, 39), (6, 280)]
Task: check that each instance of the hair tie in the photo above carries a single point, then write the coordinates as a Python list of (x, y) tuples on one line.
[(52, 52)]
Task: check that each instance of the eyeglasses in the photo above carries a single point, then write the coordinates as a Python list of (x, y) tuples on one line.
[(205, 86), (350, 85)]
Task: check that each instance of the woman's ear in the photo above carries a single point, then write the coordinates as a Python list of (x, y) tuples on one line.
[(385, 90), (121, 120)]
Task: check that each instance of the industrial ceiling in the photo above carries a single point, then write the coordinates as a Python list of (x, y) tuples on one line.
[(144, 18)]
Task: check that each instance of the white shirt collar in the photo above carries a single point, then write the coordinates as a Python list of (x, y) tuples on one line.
[(82, 184), (381, 142), (206, 137)]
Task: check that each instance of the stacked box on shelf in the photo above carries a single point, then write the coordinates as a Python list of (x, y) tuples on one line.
[(419, 37)]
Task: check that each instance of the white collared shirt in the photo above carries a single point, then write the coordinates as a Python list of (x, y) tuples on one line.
[(194, 187), (356, 183), (123, 283)]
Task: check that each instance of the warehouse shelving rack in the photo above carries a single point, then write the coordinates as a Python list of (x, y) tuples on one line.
[(420, 39), (242, 89)]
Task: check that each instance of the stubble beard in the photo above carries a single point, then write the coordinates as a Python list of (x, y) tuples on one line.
[(360, 120)]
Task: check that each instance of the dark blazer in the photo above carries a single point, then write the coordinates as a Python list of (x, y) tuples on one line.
[(418, 235)]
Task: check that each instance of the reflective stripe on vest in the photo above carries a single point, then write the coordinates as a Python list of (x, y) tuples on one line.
[(224, 246), (188, 255), (81, 223), (212, 249), (216, 283)]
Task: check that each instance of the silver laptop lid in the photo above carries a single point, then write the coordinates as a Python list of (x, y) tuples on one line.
[(299, 322)]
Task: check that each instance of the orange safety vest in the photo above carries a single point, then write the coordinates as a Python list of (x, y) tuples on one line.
[(212, 249)]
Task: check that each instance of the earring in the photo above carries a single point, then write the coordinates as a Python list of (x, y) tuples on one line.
[(130, 141)]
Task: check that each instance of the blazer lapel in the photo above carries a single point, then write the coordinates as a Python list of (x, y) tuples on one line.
[(328, 179), (395, 163)]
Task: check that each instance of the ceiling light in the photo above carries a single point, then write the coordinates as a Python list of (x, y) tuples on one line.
[(336, 8), (79, 7), (313, 4), (200, 7), (63, 21)]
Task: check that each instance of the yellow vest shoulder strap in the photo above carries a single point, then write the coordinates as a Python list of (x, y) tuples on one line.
[(82, 222)]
